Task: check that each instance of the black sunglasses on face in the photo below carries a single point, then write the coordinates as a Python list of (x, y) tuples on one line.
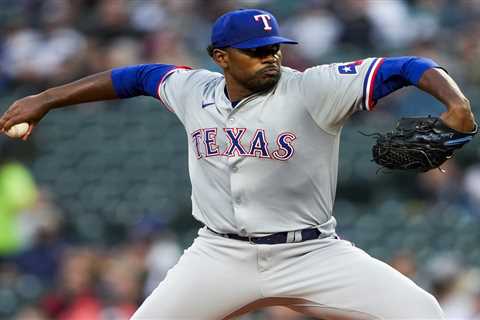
[(261, 52)]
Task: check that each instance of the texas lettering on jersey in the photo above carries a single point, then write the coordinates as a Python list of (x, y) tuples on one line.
[(205, 144)]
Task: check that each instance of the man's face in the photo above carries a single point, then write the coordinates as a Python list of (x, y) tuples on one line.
[(256, 69)]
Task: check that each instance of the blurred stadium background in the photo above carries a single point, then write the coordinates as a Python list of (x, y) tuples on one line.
[(95, 208)]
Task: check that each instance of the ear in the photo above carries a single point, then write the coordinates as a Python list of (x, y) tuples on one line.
[(220, 57)]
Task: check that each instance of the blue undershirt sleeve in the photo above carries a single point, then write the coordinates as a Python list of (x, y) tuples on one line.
[(139, 80), (395, 73)]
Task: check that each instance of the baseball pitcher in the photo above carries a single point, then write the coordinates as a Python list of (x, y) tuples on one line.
[(263, 145)]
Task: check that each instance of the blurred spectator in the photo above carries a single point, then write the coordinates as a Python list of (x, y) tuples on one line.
[(392, 25), (163, 47), (148, 16), (45, 243), (121, 52), (52, 53), (156, 246), (316, 29), (404, 262), (472, 187), (446, 271), (17, 192), (468, 48), (74, 298), (163, 254), (476, 306), (357, 27), (110, 20), (442, 186), (30, 313), (120, 286)]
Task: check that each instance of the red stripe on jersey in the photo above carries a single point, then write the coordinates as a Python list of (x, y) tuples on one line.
[(371, 104)]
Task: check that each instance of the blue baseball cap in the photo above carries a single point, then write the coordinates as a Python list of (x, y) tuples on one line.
[(246, 28)]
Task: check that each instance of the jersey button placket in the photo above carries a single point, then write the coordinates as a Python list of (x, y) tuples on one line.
[(231, 117), (237, 199), (236, 192)]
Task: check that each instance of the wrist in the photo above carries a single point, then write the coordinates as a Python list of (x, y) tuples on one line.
[(48, 100), (458, 105), (460, 119)]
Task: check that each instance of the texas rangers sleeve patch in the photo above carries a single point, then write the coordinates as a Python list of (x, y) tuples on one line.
[(349, 68)]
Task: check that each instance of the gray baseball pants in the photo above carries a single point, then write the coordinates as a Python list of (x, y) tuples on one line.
[(329, 278)]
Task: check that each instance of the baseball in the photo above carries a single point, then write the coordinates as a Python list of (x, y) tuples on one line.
[(18, 130)]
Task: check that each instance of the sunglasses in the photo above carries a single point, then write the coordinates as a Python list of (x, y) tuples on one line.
[(261, 52)]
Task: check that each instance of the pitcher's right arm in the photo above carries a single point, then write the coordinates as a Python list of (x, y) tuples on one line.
[(117, 83)]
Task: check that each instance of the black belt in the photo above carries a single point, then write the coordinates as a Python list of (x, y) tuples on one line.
[(276, 238)]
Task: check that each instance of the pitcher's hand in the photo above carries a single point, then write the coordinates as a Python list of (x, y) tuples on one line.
[(30, 109)]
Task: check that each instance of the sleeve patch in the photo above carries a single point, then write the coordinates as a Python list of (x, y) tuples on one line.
[(349, 68)]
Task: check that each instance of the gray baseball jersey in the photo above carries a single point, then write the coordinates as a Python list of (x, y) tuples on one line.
[(270, 163)]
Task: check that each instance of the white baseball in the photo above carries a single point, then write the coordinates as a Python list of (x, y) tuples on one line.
[(18, 130)]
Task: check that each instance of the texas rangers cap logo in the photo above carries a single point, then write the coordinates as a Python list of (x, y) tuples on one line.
[(264, 18), (247, 28)]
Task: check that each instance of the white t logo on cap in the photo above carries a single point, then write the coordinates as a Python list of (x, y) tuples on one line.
[(265, 18)]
